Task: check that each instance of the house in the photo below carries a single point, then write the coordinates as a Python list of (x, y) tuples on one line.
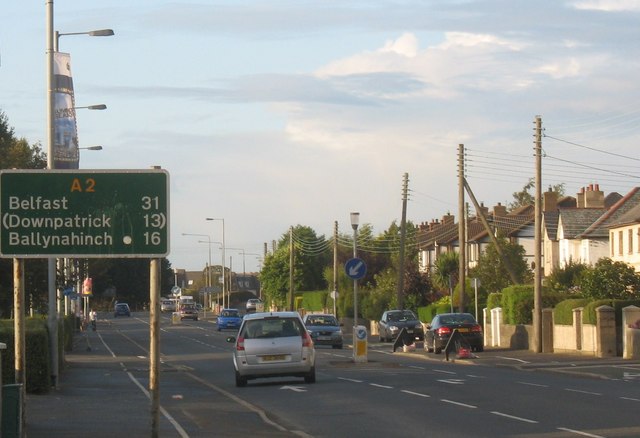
[(624, 238), (574, 229)]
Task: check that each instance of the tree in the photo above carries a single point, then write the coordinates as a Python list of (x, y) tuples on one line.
[(16, 153), (567, 278), (609, 279), (446, 270), (523, 197), (491, 269)]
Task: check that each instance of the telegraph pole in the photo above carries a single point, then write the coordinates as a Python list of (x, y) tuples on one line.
[(403, 234), (335, 267), (291, 300), (537, 285), (462, 235)]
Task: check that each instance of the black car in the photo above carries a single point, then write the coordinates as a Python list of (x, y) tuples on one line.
[(443, 325), (122, 309), (393, 321)]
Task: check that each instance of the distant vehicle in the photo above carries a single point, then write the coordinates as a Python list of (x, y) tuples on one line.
[(254, 305), (229, 319), (199, 307), (324, 329), (393, 321), (274, 344), (121, 309), (442, 326), (188, 311), (167, 306)]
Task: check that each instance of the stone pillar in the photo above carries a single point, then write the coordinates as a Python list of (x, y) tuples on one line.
[(630, 332), (485, 325), (605, 332), (547, 330), (496, 322), (577, 326)]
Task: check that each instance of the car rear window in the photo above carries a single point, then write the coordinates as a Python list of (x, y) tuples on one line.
[(230, 313), (272, 328)]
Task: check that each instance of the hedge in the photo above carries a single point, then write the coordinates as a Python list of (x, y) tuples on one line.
[(563, 312), (38, 371), (589, 313)]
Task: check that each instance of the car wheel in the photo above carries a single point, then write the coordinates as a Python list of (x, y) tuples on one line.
[(219, 329), (337, 346), (381, 339), (196, 319), (311, 377), (436, 349), (480, 348), (241, 381)]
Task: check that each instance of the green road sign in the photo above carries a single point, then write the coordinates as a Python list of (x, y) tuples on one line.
[(84, 213)]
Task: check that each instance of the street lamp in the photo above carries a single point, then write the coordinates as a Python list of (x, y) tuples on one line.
[(355, 220), (100, 32), (209, 268), (224, 274), (51, 47), (92, 148), (244, 270)]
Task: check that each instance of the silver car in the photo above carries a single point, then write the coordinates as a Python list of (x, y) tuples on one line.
[(273, 344)]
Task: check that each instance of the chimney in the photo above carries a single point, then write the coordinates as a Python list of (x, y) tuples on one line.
[(499, 210), (594, 197), (484, 210), (549, 200), (449, 219), (580, 198)]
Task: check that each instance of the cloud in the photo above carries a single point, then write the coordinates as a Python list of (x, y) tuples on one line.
[(608, 5)]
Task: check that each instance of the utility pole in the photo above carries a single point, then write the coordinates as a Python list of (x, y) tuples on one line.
[(537, 285), (462, 234), (403, 235), (291, 258), (335, 268)]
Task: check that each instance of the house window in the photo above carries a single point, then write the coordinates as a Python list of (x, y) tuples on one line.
[(630, 241), (612, 242), (620, 241)]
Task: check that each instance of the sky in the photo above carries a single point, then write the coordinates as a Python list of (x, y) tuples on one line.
[(279, 113)]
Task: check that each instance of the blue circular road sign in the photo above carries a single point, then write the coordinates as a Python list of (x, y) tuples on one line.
[(355, 268)]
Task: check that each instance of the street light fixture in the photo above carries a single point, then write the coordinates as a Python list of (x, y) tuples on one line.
[(100, 32), (224, 274), (100, 106), (92, 148), (355, 220)]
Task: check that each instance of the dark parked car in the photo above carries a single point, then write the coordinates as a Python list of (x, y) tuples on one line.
[(393, 321), (229, 319), (442, 326), (188, 311), (122, 309), (324, 329)]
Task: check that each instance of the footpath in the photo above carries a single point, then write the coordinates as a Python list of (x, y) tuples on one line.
[(97, 397)]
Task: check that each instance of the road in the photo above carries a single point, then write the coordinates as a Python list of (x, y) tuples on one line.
[(394, 394)]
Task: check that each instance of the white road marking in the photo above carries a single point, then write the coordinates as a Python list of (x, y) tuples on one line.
[(513, 417), (533, 384), (631, 399), (415, 393), (445, 372), (381, 386), (578, 432), (464, 405), (582, 392), (452, 381), (350, 380)]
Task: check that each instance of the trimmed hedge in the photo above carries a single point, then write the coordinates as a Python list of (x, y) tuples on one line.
[(38, 371), (589, 313), (563, 312), (426, 314)]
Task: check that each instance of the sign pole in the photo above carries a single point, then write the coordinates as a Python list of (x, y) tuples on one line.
[(154, 347)]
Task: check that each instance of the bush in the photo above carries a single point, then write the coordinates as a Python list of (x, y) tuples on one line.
[(426, 314), (563, 311), (517, 303), (589, 313), (494, 300), (38, 374)]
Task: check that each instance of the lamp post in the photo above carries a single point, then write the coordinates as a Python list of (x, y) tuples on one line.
[(355, 220), (52, 46), (208, 277), (224, 274), (241, 250)]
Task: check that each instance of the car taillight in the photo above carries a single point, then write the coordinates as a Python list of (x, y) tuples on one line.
[(240, 344), (476, 328), (306, 340), (443, 331)]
